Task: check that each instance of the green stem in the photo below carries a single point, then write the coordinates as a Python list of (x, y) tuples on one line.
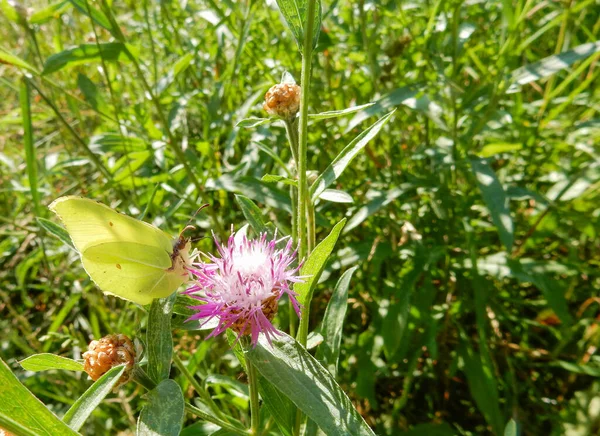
[(197, 386), (303, 198), (307, 51), (292, 134), (254, 401)]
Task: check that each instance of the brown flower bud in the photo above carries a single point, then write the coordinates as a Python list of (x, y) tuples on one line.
[(111, 350), (283, 100)]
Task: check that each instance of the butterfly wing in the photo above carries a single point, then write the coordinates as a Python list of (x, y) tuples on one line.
[(123, 256), (89, 223), (136, 272)]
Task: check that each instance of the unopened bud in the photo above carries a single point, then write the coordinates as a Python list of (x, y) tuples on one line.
[(283, 100), (110, 351)]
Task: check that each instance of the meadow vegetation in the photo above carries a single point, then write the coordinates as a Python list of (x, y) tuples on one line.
[(471, 244)]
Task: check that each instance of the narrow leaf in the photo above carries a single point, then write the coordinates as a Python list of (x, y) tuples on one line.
[(313, 267), (342, 160), (274, 178), (85, 53), (483, 387), (54, 10), (159, 339), (10, 59), (551, 65), (298, 375), (295, 14), (56, 230), (253, 122), (163, 416), (336, 196), (87, 403), (252, 213), (22, 413), (333, 323), (408, 96), (30, 156), (495, 199), (85, 7), (340, 113), (278, 405), (47, 361)]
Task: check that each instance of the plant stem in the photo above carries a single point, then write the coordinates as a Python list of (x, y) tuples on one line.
[(292, 134), (254, 401), (307, 51), (197, 386)]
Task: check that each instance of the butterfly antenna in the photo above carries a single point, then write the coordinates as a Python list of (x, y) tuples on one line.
[(187, 226)]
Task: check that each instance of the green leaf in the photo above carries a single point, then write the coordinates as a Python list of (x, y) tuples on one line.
[(163, 415), (279, 406), (56, 231), (295, 12), (313, 267), (159, 339), (342, 160), (274, 178), (30, 151), (22, 413), (482, 385), (497, 148), (553, 291), (54, 10), (10, 59), (396, 321), (87, 403), (340, 113), (254, 122), (333, 323), (511, 428), (336, 196), (85, 7), (495, 199), (85, 53), (551, 65), (252, 214), (298, 375), (382, 200), (47, 361), (408, 96)]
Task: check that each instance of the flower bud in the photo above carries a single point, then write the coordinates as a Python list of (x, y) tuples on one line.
[(110, 351), (283, 100)]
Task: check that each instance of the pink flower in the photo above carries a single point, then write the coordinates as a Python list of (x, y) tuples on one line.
[(242, 287)]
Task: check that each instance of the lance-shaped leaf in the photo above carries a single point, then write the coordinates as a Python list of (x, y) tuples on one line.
[(551, 65), (295, 13), (87, 403), (313, 267), (300, 377), (47, 361), (22, 413), (339, 164), (159, 338), (109, 52), (495, 199)]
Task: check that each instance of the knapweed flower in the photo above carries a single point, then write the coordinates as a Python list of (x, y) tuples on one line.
[(109, 351), (283, 100), (242, 286)]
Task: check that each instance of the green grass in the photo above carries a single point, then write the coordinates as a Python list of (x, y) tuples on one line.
[(475, 216)]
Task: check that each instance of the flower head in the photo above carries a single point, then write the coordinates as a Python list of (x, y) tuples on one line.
[(242, 286), (283, 100), (109, 351)]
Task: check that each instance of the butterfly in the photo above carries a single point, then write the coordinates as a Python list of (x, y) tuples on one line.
[(124, 256)]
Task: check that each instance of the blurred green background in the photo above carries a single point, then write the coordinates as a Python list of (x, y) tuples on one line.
[(473, 215)]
